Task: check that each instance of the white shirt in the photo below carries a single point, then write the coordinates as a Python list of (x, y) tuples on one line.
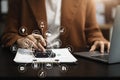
[(53, 10)]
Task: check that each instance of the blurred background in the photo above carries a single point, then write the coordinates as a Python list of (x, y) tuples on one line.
[(105, 13)]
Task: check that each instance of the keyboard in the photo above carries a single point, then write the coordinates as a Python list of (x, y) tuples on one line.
[(47, 54), (104, 57)]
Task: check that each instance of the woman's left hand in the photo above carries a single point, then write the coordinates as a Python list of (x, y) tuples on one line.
[(102, 45)]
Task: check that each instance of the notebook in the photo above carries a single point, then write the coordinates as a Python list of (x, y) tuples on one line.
[(61, 55), (114, 54)]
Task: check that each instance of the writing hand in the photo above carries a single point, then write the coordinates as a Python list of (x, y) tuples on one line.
[(33, 40)]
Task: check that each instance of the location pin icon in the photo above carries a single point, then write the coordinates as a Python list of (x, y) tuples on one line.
[(23, 30)]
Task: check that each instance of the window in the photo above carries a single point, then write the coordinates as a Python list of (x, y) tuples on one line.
[(3, 10), (4, 6)]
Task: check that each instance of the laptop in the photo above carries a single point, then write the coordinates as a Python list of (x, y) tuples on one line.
[(114, 54)]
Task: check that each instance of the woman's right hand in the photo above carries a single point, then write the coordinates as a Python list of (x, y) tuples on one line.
[(35, 41)]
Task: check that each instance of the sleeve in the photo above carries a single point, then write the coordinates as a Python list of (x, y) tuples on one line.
[(10, 34), (92, 30)]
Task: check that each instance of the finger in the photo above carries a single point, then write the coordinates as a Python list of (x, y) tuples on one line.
[(102, 46), (34, 45), (31, 37), (31, 44), (108, 47), (40, 39), (41, 47), (24, 45), (93, 48)]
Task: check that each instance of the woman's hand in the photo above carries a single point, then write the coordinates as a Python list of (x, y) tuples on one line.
[(32, 41), (102, 45)]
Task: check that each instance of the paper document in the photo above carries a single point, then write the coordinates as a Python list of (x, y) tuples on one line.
[(62, 56)]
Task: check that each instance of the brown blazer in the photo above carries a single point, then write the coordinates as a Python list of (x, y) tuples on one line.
[(77, 18)]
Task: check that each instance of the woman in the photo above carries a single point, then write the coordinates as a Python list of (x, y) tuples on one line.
[(69, 23)]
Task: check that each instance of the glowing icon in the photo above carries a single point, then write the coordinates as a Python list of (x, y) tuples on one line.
[(70, 48), (64, 68), (35, 65), (22, 68), (49, 65), (42, 74), (59, 43), (23, 30), (13, 49), (36, 32), (48, 34), (63, 30)]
